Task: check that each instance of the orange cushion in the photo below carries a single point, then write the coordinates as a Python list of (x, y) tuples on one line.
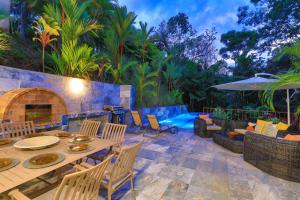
[(292, 137), (232, 134), (204, 116), (250, 128)]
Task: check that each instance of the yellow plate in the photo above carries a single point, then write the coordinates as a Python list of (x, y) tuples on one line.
[(64, 134), (43, 159), (5, 141), (78, 147), (81, 138), (4, 162)]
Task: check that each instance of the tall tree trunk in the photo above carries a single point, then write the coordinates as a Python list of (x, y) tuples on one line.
[(24, 19)]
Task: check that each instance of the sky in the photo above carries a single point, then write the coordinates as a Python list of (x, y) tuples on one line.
[(221, 14)]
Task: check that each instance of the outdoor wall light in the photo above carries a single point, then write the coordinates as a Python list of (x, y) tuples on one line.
[(76, 86)]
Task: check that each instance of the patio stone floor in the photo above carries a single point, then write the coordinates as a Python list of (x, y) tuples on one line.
[(186, 167)]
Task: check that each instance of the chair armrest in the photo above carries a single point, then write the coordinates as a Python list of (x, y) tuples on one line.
[(79, 168), (86, 165), (17, 195)]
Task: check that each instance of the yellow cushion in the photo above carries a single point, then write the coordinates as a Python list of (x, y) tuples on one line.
[(270, 130), (282, 126), (213, 128), (260, 124), (209, 121)]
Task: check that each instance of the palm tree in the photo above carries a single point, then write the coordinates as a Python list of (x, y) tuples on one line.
[(45, 34), (116, 37), (145, 83), (145, 40), (291, 77)]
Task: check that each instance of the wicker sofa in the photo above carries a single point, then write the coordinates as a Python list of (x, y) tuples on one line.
[(274, 156), (234, 145)]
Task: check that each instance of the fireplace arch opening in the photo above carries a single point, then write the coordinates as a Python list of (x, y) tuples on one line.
[(40, 105)]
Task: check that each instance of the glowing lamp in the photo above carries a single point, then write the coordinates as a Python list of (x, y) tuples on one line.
[(76, 86)]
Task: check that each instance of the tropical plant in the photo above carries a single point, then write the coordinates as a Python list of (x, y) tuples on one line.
[(219, 113), (145, 83), (116, 37), (74, 58), (145, 40), (291, 77), (4, 45), (46, 33)]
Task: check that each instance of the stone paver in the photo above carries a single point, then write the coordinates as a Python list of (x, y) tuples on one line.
[(186, 167)]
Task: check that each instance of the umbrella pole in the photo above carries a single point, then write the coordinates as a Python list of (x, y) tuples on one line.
[(288, 107)]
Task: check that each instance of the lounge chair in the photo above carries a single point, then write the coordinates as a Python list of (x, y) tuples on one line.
[(155, 126), (137, 119)]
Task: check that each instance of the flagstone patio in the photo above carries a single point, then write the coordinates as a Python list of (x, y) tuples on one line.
[(186, 167)]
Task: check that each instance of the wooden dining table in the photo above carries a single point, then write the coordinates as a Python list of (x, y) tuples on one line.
[(18, 175)]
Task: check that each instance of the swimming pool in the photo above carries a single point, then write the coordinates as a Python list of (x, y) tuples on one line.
[(185, 121)]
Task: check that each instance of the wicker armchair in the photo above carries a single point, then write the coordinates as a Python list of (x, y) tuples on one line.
[(203, 130), (274, 156)]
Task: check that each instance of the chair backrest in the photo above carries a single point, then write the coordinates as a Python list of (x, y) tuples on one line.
[(125, 161), (114, 132), (136, 118), (84, 184), (17, 129), (89, 128), (153, 122)]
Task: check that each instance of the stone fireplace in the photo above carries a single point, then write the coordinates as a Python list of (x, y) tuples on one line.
[(42, 106)]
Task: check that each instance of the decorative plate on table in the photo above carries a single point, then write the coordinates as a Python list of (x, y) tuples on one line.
[(43, 160), (34, 135), (81, 139), (64, 134), (6, 141), (79, 148), (34, 143), (7, 163)]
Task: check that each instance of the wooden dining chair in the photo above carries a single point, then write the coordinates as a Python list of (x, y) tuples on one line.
[(121, 171), (155, 126), (17, 129), (114, 133), (89, 128), (81, 185)]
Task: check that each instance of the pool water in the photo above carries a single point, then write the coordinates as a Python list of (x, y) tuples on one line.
[(184, 121)]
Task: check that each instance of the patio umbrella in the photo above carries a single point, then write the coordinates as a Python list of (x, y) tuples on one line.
[(256, 84)]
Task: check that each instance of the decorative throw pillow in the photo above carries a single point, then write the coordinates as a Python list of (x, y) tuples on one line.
[(282, 126), (270, 130), (204, 116), (260, 124), (232, 134), (209, 121), (250, 128), (292, 137)]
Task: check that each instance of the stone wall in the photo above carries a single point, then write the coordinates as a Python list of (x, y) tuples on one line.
[(79, 95), (164, 112)]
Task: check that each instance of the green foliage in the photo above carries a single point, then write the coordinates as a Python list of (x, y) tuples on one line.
[(276, 21), (74, 59), (4, 45), (219, 113), (145, 84), (116, 38), (291, 77)]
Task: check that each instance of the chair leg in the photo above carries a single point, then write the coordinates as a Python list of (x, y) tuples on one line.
[(109, 194), (132, 189)]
